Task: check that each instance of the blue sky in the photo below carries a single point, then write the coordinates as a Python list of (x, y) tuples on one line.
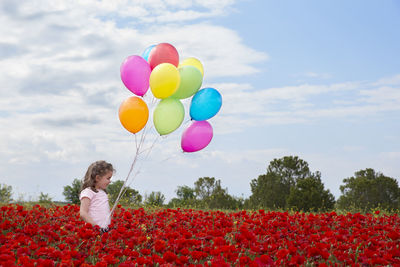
[(316, 79)]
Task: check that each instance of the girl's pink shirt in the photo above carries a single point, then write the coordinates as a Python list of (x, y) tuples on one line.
[(99, 209)]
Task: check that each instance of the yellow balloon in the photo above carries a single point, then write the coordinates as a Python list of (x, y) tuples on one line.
[(133, 114), (193, 62), (164, 80)]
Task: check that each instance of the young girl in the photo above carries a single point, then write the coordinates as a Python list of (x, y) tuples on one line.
[(94, 200)]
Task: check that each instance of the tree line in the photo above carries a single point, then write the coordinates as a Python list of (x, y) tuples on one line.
[(288, 184)]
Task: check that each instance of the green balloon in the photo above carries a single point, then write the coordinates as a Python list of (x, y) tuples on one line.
[(190, 82), (168, 115)]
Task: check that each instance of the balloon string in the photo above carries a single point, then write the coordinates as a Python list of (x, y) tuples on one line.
[(139, 151), (138, 147), (149, 149), (126, 179), (170, 157)]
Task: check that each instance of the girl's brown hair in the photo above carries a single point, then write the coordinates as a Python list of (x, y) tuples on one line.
[(100, 168)]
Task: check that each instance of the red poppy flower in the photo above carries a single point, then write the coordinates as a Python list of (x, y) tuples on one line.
[(159, 246), (169, 256)]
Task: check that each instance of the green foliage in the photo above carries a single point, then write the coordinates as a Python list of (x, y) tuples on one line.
[(205, 187), (130, 196), (154, 199), (309, 195), (220, 199), (186, 197), (5, 193), (45, 198), (288, 183), (268, 191), (207, 193), (289, 168), (368, 190), (71, 192), (185, 193)]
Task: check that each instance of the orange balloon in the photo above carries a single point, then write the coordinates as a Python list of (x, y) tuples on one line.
[(133, 114)]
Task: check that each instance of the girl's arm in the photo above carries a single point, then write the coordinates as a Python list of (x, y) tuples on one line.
[(84, 211)]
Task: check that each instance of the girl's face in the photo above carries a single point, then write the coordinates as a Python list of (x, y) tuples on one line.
[(103, 181)]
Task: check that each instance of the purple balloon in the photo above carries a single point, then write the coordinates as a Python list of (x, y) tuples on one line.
[(135, 74), (197, 136)]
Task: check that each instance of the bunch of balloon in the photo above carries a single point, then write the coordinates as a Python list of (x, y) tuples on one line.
[(170, 81)]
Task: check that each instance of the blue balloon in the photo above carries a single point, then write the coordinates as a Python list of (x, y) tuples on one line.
[(205, 104), (146, 52)]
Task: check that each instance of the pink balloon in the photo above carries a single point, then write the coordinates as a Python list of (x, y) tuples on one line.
[(163, 53), (135, 74), (197, 136)]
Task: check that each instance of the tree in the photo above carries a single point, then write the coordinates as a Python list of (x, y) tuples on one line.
[(71, 192), (368, 190), (309, 195), (220, 199), (185, 193), (5, 193), (205, 186), (44, 198), (207, 193), (272, 189), (130, 197), (210, 194), (289, 169), (268, 191), (186, 197), (154, 199)]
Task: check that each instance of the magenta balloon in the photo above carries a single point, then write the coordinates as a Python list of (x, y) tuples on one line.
[(197, 136), (135, 74)]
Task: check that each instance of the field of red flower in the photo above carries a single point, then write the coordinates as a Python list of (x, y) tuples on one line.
[(55, 236)]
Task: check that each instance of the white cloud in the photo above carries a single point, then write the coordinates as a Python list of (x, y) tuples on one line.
[(391, 80), (149, 11), (63, 79), (316, 75), (250, 155), (386, 95), (245, 106)]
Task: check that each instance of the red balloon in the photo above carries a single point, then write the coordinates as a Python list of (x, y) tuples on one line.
[(163, 53)]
